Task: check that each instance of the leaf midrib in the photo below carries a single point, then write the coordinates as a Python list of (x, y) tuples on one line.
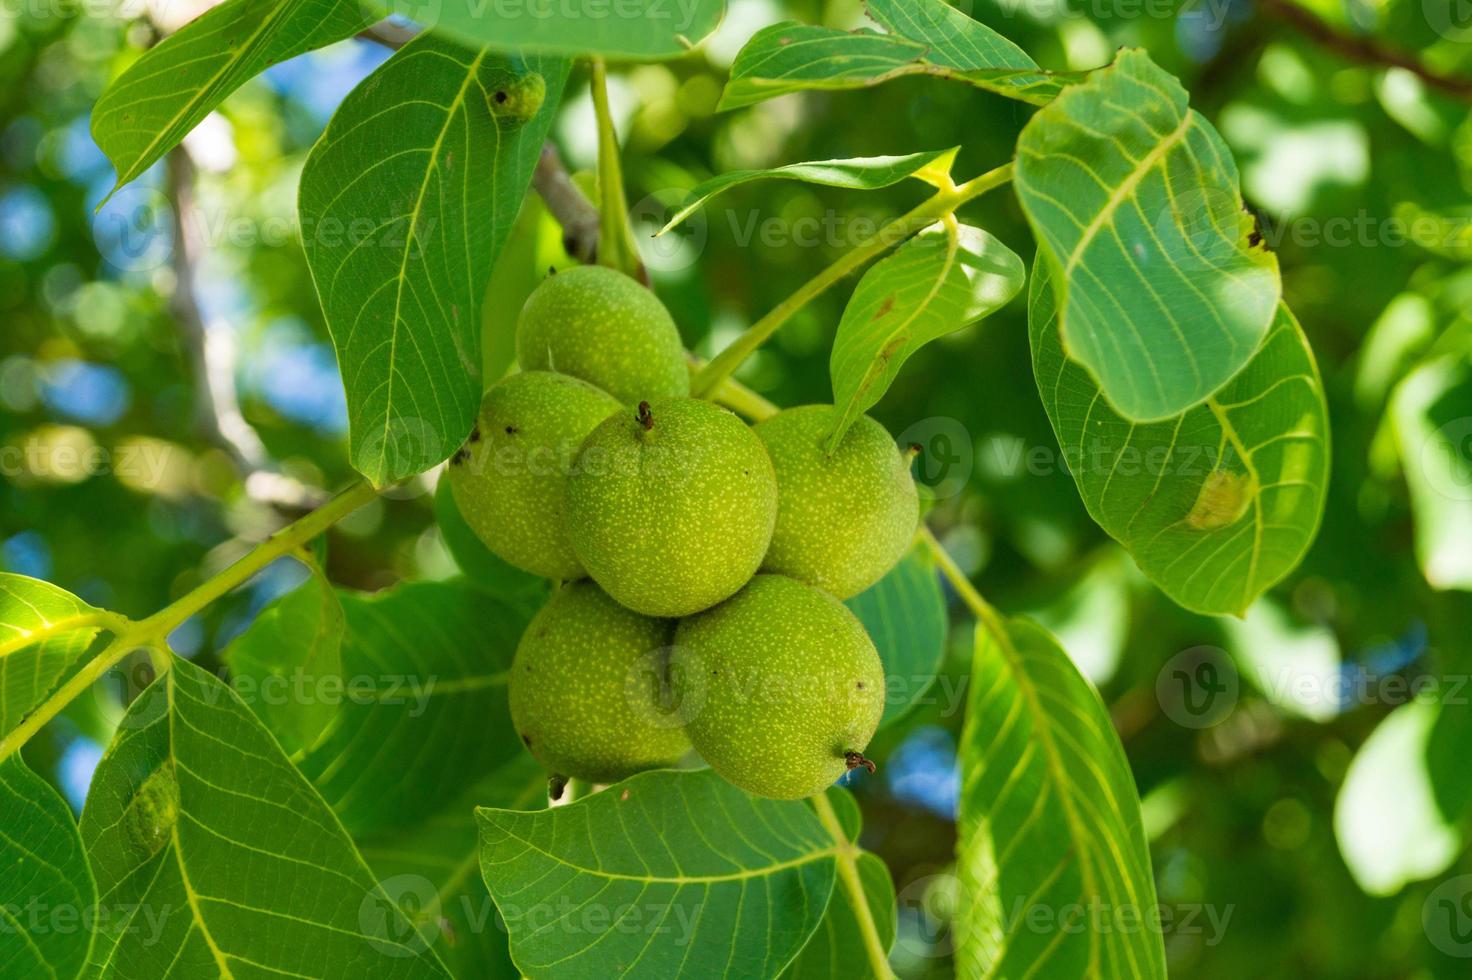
[(765, 870), (1059, 772)]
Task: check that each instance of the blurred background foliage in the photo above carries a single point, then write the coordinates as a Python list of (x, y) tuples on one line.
[(117, 487)]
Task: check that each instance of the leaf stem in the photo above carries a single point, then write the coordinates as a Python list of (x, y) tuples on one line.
[(736, 396), (848, 874), (941, 204), (983, 610), (615, 241), (150, 633)]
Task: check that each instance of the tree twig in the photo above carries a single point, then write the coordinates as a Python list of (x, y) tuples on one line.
[(569, 207), (1366, 50)]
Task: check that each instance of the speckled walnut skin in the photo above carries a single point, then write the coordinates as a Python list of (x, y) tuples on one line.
[(782, 683), (509, 479), (671, 508)]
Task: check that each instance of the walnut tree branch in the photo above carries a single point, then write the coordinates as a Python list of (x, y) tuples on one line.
[(569, 207), (1366, 50)]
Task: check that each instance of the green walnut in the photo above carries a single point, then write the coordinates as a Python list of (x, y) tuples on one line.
[(509, 480), (598, 324), (782, 686), (588, 689), (846, 517), (670, 506)]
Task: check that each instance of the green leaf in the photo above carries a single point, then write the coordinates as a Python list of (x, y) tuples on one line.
[(1216, 504), (639, 29), (943, 279), (1050, 823), (1134, 200), (860, 174), (905, 615), (44, 631), (294, 645), (926, 37), (837, 948), (422, 708), (665, 874), (482, 566), (1390, 826), (148, 109), (401, 243), (45, 879), (432, 871), (1297, 666), (980, 55), (236, 865), (1431, 416)]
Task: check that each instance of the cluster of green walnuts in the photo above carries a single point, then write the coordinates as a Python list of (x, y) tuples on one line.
[(702, 560)]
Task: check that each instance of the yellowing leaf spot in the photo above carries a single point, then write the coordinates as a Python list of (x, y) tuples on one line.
[(1223, 499)]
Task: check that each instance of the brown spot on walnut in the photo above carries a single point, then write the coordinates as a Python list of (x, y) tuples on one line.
[(512, 430)]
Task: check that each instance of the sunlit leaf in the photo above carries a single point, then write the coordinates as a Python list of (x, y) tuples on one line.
[(148, 109), (665, 874), (401, 242), (196, 818), (943, 279), (42, 868), (293, 645), (422, 709), (925, 37), (861, 173), (1050, 821), (44, 631), (432, 871), (1391, 828), (905, 615), (641, 29), (1297, 666), (1162, 293), (839, 947), (1216, 504), (1431, 416)]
